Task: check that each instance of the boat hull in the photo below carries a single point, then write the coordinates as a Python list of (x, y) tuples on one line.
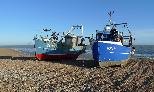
[(110, 52), (57, 56)]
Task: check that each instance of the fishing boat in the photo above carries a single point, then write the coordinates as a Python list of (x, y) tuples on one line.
[(55, 47), (113, 47)]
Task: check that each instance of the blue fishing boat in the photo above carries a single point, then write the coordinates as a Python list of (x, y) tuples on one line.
[(111, 46)]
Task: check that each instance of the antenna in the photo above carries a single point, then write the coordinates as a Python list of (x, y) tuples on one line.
[(81, 30), (46, 30), (110, 15)]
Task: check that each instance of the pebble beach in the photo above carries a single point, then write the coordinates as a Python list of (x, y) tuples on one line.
[(37, 76)]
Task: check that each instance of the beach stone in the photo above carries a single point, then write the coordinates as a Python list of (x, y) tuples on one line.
[(29, 75)]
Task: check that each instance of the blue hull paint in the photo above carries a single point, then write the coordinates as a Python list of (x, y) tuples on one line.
[(45, 48), (103, 52)]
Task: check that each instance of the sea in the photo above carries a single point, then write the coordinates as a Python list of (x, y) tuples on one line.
[(142, 51)]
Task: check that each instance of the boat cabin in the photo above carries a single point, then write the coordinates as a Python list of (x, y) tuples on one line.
[(112, 34)]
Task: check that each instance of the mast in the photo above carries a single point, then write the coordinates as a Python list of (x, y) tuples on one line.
[(76, 27), (110, 17)]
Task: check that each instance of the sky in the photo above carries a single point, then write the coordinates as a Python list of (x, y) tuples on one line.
[(21, 20)]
